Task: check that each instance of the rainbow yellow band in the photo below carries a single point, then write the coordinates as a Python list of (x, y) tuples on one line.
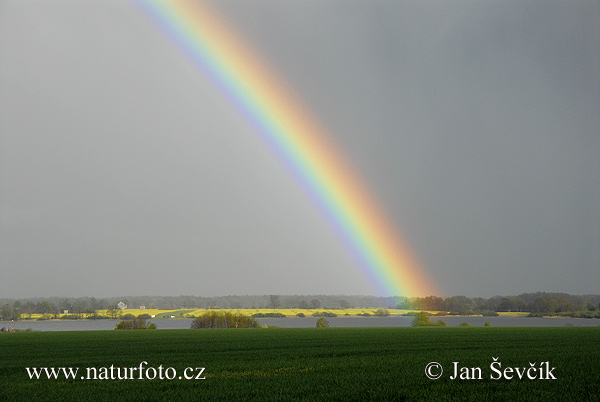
[(299, 142)]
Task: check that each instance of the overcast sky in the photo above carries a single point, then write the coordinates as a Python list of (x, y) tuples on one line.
[(124, 170)]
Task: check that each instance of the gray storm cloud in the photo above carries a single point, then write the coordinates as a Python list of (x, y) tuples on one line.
[(123, 170)]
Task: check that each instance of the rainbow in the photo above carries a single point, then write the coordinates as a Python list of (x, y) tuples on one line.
[(291, 133)]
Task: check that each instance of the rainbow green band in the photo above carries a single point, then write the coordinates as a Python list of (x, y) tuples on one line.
[(297, 140)]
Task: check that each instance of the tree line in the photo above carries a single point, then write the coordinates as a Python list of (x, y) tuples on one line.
[(535, 303), (538, 303)]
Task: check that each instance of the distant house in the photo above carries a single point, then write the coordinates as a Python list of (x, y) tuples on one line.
[(122, 305), (142, 307)]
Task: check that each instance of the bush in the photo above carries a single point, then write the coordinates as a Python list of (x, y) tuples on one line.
[(584, 314), (224, 319), (301, 315), (464, 324), (382, 312), (572, 314), (124, 325), (489, 313), (71, 317), (322, 323), (144, 316), (421, 320), (364, 314), (136, 323), (324, 314), (268, 315), (487, 324), (96, 316), (128, 316), (535, 314)]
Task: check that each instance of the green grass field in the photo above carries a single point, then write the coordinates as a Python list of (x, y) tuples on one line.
[(312, 364)]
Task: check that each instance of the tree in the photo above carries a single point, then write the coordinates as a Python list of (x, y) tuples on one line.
[(512, 304), (303, 304), (45, 308), (421, 319), (538, 305), (274, 301), (136, 323), (113, 311), (563, 305), (224, 319), (519, 304), (315, 303), (459, 304), (382, 312), (78, 307), (551, 305), (505, 305), (322, 323), (64, 305), (434, 303), (28, 309), (9, 313)]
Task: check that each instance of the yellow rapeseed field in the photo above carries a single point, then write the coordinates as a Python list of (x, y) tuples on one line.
[(183, 313), (308, 312)]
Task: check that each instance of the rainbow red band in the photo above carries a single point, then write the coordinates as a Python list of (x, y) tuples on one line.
[(298, 141)]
